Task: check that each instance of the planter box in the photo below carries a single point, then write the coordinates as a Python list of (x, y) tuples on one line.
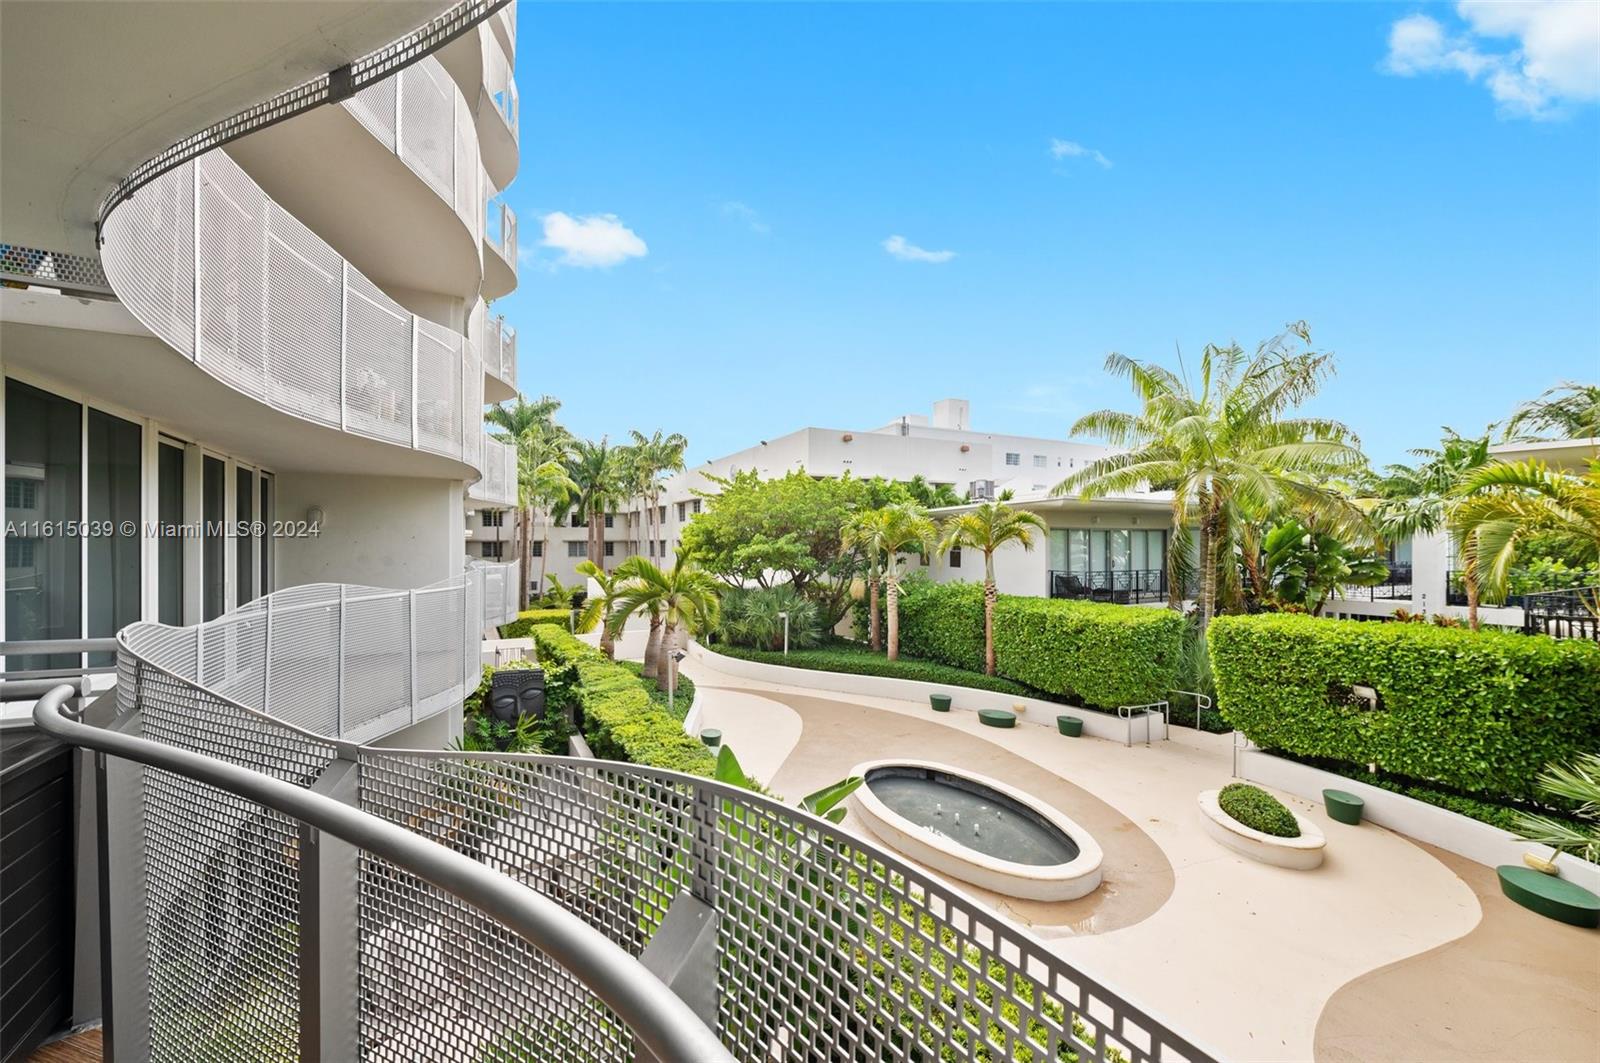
[(1479, 842), (1298, 854)]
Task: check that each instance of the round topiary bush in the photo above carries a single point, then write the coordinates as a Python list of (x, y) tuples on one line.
[(1258, 810)]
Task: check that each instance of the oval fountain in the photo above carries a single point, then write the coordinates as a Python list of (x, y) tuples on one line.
[(977, 829)]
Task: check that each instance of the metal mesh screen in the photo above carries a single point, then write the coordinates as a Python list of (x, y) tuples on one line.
[(828, 947), (54, 269), (222, 883), (427, 125), (377, 361), (439, 405), (304, 289), (230, 266), (149, 257)]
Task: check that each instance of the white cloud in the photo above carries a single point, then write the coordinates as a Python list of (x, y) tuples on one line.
[(1071, 149), (744, 212), (1553, 58), (905, 251), (592, 240)]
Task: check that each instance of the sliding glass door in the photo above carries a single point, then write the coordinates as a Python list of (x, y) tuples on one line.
[(44, 502), (116, 452)]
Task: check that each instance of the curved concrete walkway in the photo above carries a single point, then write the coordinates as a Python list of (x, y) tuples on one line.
[(1241, 956)]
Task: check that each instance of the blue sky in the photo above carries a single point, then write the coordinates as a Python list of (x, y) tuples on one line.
[(709, 195)]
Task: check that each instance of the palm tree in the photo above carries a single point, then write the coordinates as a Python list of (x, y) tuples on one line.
[(1567, 411), (905, 528), (597, 471), (1502, 504), (520, 424), (1421, 499), (864, 532), (1226, 449), (543, 480), (987, 528), (597, 609), (655, 456), (683, 597)]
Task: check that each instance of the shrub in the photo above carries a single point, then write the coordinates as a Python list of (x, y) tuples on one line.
[(753, 617), (1099, 654), (836, 658), (1481, 712), (943, 622), (1258, 810), (522, 626), (682, 697), (619, 718), (474, 701)]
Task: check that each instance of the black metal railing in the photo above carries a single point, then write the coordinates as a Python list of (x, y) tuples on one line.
[(1121, 586), (1396, 585), (1573, 613)]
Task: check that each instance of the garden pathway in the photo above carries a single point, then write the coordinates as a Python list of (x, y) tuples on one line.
[(1241, 956)]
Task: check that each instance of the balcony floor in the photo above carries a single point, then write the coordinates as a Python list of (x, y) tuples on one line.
[(84, 1046), (1392, 950)]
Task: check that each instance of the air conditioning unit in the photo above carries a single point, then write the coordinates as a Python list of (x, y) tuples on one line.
[(980, 491)]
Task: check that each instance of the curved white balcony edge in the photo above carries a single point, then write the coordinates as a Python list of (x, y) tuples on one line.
[(220, 273), (342, 661)]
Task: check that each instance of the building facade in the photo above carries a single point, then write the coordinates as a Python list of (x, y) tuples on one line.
[(244, 331)]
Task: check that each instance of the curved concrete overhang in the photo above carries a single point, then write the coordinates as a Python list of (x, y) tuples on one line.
[(462, 59), (367, 203), (499, 261), (98, 348), (88, 91)]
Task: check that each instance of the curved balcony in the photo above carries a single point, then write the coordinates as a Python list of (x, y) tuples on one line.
[(498, 485), (392, 179), (500, 254), (229, 279), (499, 361), (789, 937), (498, 118)]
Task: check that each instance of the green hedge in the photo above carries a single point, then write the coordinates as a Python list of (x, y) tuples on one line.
[(1258, 810), (1483, 712), (864, 662), (522, 627), (1091, 653), (621, 721)]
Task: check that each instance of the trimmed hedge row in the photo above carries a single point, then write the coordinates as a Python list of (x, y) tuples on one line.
[(522, 627), (864, 662), (621, 721), (1258, 810), (1094, 654), (1482, 712)]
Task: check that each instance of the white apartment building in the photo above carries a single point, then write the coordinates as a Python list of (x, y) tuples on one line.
[(1112, 548), (247, 252)]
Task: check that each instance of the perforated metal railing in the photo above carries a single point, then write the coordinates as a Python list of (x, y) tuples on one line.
[(500, 352), (501, 226), (499, 483), (226, 277), (501, 87), (52, 269), (421, 116), (347, 662)]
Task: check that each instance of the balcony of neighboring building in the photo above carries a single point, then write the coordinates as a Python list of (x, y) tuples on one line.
[(500, 250), (483, 63)]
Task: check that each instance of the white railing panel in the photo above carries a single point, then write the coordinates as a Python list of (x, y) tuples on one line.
[(232, 264), (377, 362), (149, 257), (377, 659), (427, 125), (374, 107), (439, 407), (303, 327)]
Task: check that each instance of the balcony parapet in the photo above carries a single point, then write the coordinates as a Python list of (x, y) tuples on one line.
[(498, 486), (223, 275)]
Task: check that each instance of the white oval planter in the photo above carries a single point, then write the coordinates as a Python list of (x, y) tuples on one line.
[(1300, 854), (1051, 882)]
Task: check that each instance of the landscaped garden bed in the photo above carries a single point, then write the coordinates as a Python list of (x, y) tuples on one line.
[(854, 658), (1255, 824)]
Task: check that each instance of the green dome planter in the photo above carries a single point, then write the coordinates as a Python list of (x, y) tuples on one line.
[(940, 702), (997, 718), (1343, 807), (1070, 726), (711, 737), (1554, 898)]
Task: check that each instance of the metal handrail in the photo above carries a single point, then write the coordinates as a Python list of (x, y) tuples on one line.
[(659, 1018)]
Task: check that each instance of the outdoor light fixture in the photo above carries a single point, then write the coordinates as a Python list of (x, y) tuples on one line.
[(672, 681), (314, 515), (785, 633)]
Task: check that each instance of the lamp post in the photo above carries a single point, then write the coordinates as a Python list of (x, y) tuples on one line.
[(672, 676), (785, 633)]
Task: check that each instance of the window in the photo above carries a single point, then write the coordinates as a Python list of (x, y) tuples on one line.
[(493, 551), (244, 543), (213, 511), (44, 466), (652, 548), (694, 507), (577, 549), (955, 557), (115, 475), (683, 512), (661, 548), (662, 515), (1040, 461), (538, 548), (494, 518), (611, 549), (577, 520), (169, 545), (1013, 458), (609, 518)]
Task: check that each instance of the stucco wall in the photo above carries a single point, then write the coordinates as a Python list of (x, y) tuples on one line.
[(383, 531)]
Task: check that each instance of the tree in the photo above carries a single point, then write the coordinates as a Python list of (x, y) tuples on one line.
[(650, 458), (1567, 411), (863, 533), (1503, 504), (1227, 449), (684, 597), (987, 528), (1303, 566), (597, 471), (1421, 498), (598, 608), (542, 478), (784, 530), (520, 424), (905, 527)]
